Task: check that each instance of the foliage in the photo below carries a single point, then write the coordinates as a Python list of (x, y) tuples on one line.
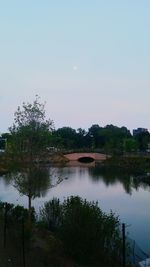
[(65, 137), (82, 235), (130, 145), (51, 214), (143, 139), (109, 138), (88, 234), (31, 131), (15, 214)]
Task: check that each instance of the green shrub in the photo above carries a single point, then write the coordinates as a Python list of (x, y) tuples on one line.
[(51, 214), (88, 234)]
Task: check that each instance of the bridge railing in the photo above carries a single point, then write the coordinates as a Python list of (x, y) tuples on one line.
[(86, 150)]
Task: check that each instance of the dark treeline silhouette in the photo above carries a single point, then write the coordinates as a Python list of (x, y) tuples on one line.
[(32, 135), (108, 139)]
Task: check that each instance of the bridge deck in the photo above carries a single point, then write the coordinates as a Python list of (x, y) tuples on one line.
[(77, 156)]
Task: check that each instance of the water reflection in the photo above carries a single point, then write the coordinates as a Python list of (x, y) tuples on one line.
[(76, 163), (111, 178), (36, 181), (122, 192), (32, 182), (128, 181)]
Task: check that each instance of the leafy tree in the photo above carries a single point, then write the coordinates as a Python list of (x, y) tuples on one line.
[(83, 139), (4, 140), (30, 137), (143, 140), (110, 138), (114, 137), (130, 145), (31, 131), (2, 143), (65, 137), (94, 133)]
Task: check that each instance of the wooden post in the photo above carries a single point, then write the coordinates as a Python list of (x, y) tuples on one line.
[(123, 246), (23, 244), (5, 224)]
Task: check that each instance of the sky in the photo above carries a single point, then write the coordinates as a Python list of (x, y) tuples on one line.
[(88, 59)]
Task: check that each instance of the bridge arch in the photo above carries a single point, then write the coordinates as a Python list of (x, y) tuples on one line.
[(85, 156), (86, 159)]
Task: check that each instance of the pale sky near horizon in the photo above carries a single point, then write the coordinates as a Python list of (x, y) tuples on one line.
[(88, 59)]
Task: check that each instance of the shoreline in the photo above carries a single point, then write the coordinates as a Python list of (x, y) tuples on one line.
[(138, 164)]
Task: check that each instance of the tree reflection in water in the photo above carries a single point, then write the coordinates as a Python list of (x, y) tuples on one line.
[(113, 176), (33, 182)]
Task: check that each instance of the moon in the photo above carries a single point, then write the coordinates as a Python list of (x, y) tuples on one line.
[(75, 68)]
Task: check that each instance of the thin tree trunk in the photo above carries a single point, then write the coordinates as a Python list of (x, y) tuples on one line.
[(29, 207)]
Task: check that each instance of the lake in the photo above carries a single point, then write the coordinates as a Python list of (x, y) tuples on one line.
[(116, 192)]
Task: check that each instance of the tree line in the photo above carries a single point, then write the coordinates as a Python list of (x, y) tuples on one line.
[(32, 133), (110, 139)]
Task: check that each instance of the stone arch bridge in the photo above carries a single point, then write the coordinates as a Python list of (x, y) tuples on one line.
[(86, 157)]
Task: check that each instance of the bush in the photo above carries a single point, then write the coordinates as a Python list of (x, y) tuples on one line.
[(51, 214), (89, 235)]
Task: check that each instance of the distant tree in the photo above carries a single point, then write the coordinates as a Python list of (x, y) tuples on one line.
[(65, 137), (143, 140), (94, 133), (4, 140), (31, 131), (83, 139), (110, 138), (130, 145)]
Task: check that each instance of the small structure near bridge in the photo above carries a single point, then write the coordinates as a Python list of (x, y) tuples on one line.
[(86, 157)]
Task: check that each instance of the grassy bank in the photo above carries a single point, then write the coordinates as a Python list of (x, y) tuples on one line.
[(8, 161)]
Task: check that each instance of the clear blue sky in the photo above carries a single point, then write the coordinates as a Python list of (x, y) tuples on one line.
[(88, 59)]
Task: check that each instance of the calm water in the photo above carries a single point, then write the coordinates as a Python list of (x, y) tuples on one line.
[(113, 192)]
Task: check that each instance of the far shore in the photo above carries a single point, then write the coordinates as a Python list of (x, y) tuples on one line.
[(129, 163)]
